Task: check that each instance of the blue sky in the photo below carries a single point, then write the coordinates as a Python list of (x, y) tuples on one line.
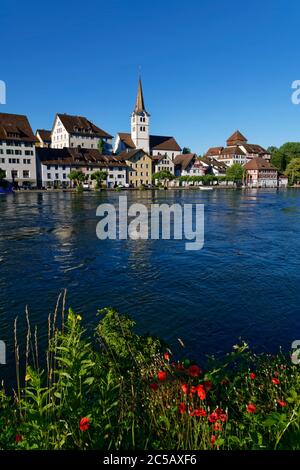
[(208, 67)]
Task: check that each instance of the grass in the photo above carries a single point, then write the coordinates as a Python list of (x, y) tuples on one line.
[(120, 390)]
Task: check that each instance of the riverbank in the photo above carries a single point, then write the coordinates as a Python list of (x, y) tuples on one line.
[(127, 391)]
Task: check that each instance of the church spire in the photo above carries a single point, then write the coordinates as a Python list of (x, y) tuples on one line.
[(139, 105)]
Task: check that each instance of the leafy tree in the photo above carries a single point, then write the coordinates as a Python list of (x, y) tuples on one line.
[(293, 170), (77, 177), (101, 146), (235, 173), (99, 176), (186, 150), (2, 174), (163, 176), (282, 157)]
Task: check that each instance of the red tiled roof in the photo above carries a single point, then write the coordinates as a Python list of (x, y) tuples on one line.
[(81, 125), (45, 135), (157, 142), (125, 137), (236, 138), (212, 151), (233, 151), (259, 164), (184, 159), (15, 127), (77, 157)]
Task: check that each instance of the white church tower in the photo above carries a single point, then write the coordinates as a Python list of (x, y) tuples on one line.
[(140, 121)]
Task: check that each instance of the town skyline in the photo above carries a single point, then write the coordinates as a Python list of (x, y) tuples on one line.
[(184, 88)]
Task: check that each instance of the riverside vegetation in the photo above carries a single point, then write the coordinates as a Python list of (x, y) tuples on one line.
[(121, 390)]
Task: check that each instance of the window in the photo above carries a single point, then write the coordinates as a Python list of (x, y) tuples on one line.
[(14, 174), (2, 160), (56, 167), (9, 151), (18, 152), (64, 176), (56, 176), (25, 174), (1, 152), (48, 167), (28, 152), (49, 176)]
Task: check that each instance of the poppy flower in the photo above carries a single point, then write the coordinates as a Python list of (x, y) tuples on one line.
[(281, 403), (161, 375), (84, 424), (193, 389), (194, 371), (166, 356), (252, 376), (208, 385), (213, 440), (182, 408), (251, 408), (275, 381), (223, 417), (200, 412), (217, 427), (219, 411), (19, 438), (185, 388), (154, 386), (213, 417), (201, 392)]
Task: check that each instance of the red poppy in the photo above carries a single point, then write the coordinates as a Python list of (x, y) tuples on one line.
[(194, 371), (223, 417), (219, 411), (19, 438), (208, 385), (217, 427), (281, 403), (213, 417), (213, 440), (252, 376), (193, 389), (161, 375), (154, 386), (180, 366), (185, 388), (275, 381), (182, 408), (166, 356), (84, 424), (251, 408), (201, 392), (200, 412)]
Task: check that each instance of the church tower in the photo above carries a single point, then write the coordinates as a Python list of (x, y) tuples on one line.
[(140, 121)]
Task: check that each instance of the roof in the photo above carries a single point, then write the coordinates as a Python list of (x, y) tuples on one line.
[(77, 157), (253, 148), (236, 150), (236, 138), (15, 127), (184, 159), (213, 163), (44, 134), (157, 142), (125, 155), (259, 164), (214, 151), (81, 125), (140, 105)]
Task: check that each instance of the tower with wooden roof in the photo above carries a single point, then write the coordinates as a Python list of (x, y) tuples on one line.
[(140, 122)]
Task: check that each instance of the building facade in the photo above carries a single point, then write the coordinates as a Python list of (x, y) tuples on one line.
[(261, 174), (17, 150), (43, 138), (78, 131), (189, 164), (140, 163)]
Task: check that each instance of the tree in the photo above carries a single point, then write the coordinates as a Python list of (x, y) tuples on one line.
[(186, 150), (284, 155), (101, 146), (293, 170), (77, 177), (235, 173), (2, 174), (163, 176), (99, 176)]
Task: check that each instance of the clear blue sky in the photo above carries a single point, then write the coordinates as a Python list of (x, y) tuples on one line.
[(208, 67)]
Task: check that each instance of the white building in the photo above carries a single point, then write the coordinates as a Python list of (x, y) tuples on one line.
[(189, 164), (78, 131), (163, 163), (140, 137), (17, 149)]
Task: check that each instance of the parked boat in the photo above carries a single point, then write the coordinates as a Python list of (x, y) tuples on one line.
[(206, 188), (6, 187)]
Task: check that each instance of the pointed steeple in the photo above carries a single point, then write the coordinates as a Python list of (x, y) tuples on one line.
[(139, 105)]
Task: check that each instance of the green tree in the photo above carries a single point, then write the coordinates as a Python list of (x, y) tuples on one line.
[(101, 146), (99, 176), (163, 176), (77, 177), (235, 173), (284, 155), (186, 150), (293, 170), (2, 174)]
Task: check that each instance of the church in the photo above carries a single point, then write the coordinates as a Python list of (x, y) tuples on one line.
[(140, 137)]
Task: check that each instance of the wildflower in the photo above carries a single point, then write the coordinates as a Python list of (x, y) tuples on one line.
[(217, 427), (201, 392), (213, 440), (218, 411), (223, 417), (78, 318), (84, 424), (275, 381), (252, 376), (208, 385), (281, 403), (199, 412), (213, 417), (182, 408), (185, 388), (251, 408), (18, 438), (194, 371), (193, 389), (154, 386), (166, 356), (161, 375), (27, 377)]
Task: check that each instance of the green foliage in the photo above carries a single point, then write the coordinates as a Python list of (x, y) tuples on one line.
[(78, 177), (186, 150), (285, 154), (235, 173), (293, 170), (101, 146), (2, 174), (163, 176), (99, 176)]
